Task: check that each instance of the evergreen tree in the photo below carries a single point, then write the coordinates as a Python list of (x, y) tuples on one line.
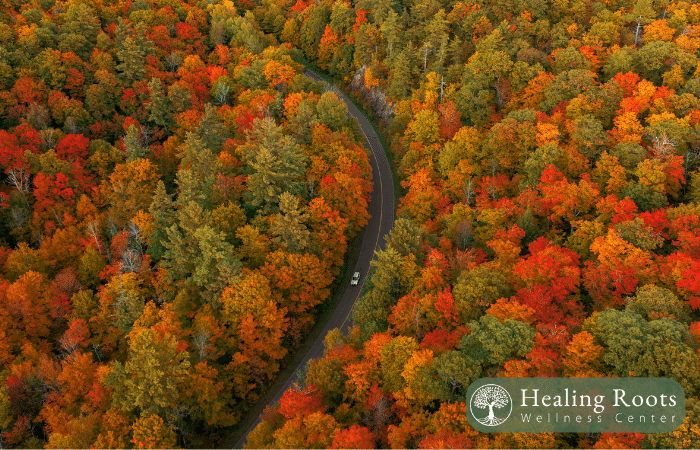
[(277, 163), (163, 216), (158, 107), (391, 30), (151, 378), (199, 255), (211, 132), (401, 78), (198, 169), (131, 62), (133, 145), (302, 123), (289, 227)]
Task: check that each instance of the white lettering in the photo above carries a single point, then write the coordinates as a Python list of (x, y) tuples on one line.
[(588, 398), (526, 397), (557, 400), (599, 408), (546, 398), (634, 400), (620, 398)]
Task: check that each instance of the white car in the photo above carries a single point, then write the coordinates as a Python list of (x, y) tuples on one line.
[(355, 279)]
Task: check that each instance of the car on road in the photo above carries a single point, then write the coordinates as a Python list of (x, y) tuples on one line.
[(355, 279)]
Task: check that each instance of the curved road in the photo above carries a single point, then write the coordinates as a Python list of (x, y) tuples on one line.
[(381, 210)]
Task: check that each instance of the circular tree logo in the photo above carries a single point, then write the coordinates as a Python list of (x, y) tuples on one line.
[(488, 397)]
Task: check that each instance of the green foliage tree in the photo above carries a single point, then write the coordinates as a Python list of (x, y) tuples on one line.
[(394, 357), (288, 227), (654, 302), (161, 209), (79, 30), (477, 289), (276, 163), (402, 75), (384, 287), (211, 131), (158, 107), (492, 342), (198, 254), (629, 154), (150, 380), (636, 347), (313, 27), (197, 174), (131, 65), (455, 371), (332, 111), (302, 122)]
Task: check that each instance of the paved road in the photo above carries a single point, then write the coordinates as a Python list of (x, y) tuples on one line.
[(381, 210)]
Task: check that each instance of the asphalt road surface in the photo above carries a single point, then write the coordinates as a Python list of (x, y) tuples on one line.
[(381, 210)]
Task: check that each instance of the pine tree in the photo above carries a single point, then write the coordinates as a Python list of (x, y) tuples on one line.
[(163, 216), (199, 255), (302, 122), (277, 163), (211, 131), (131, 62), (288, 226), (151, 378), (391, 31), (198, 169), (401, 78), (133, 145), (159, 107)]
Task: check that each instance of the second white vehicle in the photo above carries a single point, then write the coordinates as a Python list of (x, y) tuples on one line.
[(355, 279)]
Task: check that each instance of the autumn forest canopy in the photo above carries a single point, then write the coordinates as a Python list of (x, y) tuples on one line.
[(177, 199)]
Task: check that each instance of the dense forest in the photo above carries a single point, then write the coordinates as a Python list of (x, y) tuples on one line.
[(176, 198), (549, 223)]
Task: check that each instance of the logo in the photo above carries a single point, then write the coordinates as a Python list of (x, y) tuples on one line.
[(485, 400), (575, 405)]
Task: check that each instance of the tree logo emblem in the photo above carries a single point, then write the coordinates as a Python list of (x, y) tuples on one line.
[(488, 397)]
